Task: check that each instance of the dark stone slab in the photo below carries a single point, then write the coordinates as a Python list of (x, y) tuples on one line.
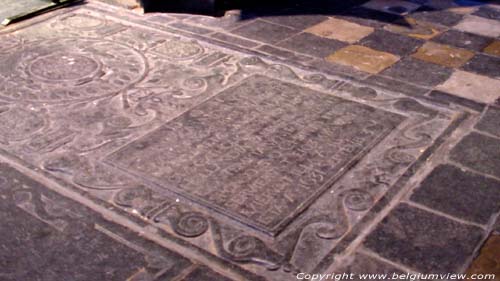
[(311, 44), (418, 72), (234, 40), (459, 193), (424, 241), (364, 264), (393, 43), (487, 12), (484, 65), (265, 31), (260, 133), (464, 40), (439, 16), (203, 273), (48, 237), (449, 98), (299, 22), (478, 152), (490, 122)]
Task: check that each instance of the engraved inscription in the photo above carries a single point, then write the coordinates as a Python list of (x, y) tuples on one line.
[(259, 152)]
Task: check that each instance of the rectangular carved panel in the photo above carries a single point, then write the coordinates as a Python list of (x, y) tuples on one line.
[(259, 152)]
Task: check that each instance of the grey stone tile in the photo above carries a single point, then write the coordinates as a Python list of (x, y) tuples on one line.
[(364, 264), (459, 193), (488, 12), (464, 40), (438, 16), (478, 152), (424, 241), (418, 72), (312, 45), (299, 22), (393, 43), (449, 98), (484, 65), (265, 31), (490, 122)]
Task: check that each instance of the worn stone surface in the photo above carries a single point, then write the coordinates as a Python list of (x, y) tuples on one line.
[(488, 12), (363, 58), (443, 54), (341, 30), (48, 237), (459, 193), (265, 31), (472, 86), (439, 16), (117, 79), (463, 40), (299, 22), (389, 42), (490, 122), (484, 65), (480, 153), (479, 25), (488, 261), (408, 236), (312, 45), (419, 72), (237, 152)]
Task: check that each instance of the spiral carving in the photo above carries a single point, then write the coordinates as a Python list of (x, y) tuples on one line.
[(191, 224), (243, 246), (358, 200)]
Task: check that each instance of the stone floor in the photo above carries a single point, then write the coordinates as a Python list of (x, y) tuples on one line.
[(256, 146)]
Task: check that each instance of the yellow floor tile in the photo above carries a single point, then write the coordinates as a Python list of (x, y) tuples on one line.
[(488, 261), (493, 48), (363, 58), (341, 30), (443, 54)]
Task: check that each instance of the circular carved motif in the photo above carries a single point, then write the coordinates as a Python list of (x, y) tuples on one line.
[(358, 200), (179, 50), (60, 67), (83, 22), (71, 69), (191, 225)]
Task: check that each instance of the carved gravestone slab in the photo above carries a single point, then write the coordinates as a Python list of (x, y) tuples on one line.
[(260, 151), (258, 167)]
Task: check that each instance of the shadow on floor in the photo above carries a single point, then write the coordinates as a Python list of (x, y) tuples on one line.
[(261, 8)]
